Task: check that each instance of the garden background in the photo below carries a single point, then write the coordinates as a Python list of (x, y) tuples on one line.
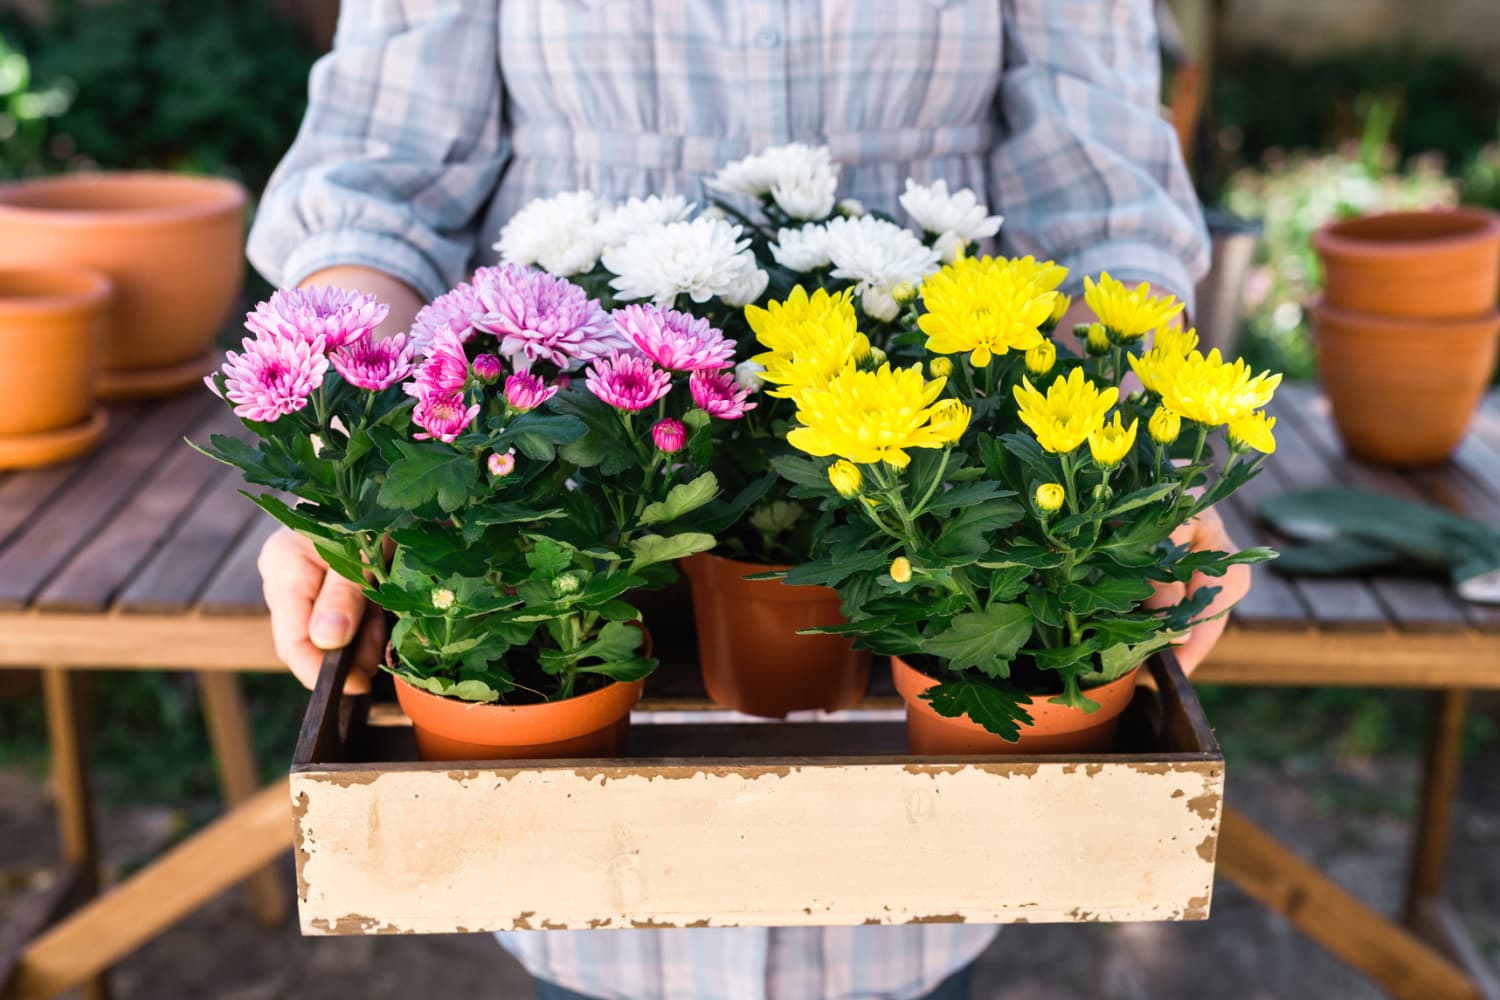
[(1332, 120)]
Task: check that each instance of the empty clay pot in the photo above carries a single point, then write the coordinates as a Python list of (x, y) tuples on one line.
[(173, 245), (51, 325), (1054, 728), (591, 725), (752, 658), (1403, 390), (1439, 263)]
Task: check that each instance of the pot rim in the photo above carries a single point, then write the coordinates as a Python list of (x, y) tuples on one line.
[(538, 723), (91, 288), (911, 682), (228, 197), (750, 567), (1439, 325), (1336, 237)]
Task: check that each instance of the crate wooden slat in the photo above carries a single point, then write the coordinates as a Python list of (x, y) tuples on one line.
[(741, 824)]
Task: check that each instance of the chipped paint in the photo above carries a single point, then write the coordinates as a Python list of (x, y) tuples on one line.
[(342, 779), (1208, 849), (300, 803), (523, 922), (596, 923), (939, 918), (354, 923)]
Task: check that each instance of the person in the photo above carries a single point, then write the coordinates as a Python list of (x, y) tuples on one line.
[(432, 121)]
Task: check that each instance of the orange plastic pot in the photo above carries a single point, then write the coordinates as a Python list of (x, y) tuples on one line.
[(51, 323), (172, 244), (1443, 263), (592, 725), (752, 658), (1054, 728), (1403, 391)]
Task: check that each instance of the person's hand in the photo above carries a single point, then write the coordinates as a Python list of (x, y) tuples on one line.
[(1206, 532), (314, 610)]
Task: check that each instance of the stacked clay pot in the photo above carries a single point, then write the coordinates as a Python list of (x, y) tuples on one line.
[(1407, 329)]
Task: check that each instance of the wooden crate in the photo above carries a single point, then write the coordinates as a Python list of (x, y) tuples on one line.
[(752, 824)]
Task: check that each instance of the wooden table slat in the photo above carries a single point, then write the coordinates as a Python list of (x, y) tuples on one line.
[(152, 515), (1273, 601), (235, 589), (72, 518)]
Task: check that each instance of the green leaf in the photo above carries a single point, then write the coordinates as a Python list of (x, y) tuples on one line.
[(1212, 563), (834, 570), (426, 474), (1118, 660), (537, 435), (1108, 593), (999, 711), (1045, 606), (651, 549), (1009, 583), (462, 690), (603, 445), (682, 499), (1141, 497), (966, 535), (978, 639), (547, 559)]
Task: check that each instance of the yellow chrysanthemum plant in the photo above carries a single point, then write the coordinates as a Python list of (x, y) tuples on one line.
[(998, 497)]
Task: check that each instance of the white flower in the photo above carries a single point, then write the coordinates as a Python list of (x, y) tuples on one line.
[(876, 256), (950, 247), (701, 258), (852, 207), (801, 179), (958, 215), (802, 250), (556, 234), (747, 375), (619, 223)]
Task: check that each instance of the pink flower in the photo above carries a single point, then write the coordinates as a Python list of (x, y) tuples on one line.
[(540, 317), (443, 417), (527, 392), (675, 340), (446, 370), (487, 368), (669, 435), (628, 381), (274, 377), (454, 310), (500, 465), (374, 364), (334, 315), (719, 394)]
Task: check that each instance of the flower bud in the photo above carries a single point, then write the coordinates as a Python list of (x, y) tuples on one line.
[(525, 391), (500, 465), (901, 569), (1059, 307), (904, 293), (1050, 497), (1164, 426), (877, 357), (1041, 358), (846, 478), (1097, 339), (567, 583), (747, 375), (940, 367), (487, 368), (851, 208), (669, 435), (443, 599)]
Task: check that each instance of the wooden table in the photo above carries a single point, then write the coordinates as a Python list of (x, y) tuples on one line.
[(140, 557)]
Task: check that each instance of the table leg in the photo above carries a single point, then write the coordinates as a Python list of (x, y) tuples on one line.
[(234, 755), (1441, 759), (66, 736)]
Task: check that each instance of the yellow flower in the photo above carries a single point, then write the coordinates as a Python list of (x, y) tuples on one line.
[(809, 339), (904, 293), (950, 418), (1059, 307), (1110, 443), (1043, 275), (1169, 349), (869, 416), (443, 599), (1050, 497), (1164, 426), (983, 307), (901, 569), (1041, 358), (1212, 392), (940, 367), (1129, 313), (1097, 339), (1254, 432), (846, 478), (1072, 409)]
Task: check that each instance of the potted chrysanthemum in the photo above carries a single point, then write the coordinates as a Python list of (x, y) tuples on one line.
[(994, 516), (502, 481)]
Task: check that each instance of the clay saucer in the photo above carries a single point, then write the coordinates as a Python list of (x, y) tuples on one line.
[(149, 383), (26, 451)]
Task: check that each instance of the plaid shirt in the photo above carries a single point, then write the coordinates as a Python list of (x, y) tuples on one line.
[(432, 121)]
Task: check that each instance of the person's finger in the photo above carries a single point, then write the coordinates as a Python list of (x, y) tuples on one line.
[(368, 652), (336, 613), (291, 576), (1210, 534)]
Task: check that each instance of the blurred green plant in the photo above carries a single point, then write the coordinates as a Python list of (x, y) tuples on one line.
[(214, 86), (26, 113)]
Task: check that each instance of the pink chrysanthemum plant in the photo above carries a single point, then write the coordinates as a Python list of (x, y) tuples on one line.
[(501, 479)]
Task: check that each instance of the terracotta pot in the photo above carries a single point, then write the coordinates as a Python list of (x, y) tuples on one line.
[(1403, 390), (753, 660), (51, 324), (592, 725), (1441, 263), (174, 246), (1054, 728)]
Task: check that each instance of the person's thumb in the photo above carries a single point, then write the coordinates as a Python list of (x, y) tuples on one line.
[(336, 613)]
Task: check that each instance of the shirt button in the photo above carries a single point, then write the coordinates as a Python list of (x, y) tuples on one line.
[(767, 38)]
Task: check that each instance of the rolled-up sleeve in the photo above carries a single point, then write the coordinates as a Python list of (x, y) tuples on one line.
[(399, 152), (1084, 168)]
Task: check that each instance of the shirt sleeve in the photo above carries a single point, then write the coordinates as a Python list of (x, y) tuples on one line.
[(399, 152), (1085, 169)]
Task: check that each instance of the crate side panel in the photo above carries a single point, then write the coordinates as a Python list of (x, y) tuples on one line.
[(433, 851)]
